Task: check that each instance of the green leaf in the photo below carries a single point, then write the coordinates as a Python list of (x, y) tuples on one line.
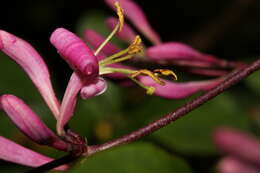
[(192, 133), (133, 158), (253, 82)]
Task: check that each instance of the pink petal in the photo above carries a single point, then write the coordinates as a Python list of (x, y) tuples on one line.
[(69, 101), (29, 123), (94, 89), (12, 152), (246, 147), (127, 34), (32, 63), (75, 52), (95, 39), (174, 52), (174, 90), (135, 14), (1, 44), (234, 165)]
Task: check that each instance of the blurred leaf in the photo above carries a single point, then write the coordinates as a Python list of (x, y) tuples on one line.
[(192, 133), (93, 20), (253, 82), (92, 111), (133, 158), (15, 81)]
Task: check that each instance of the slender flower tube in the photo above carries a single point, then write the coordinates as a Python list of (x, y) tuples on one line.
[(174, 90), (234, 165), (69, 101), (75, 52), (135, 14), (29, 123), (173, 51), (32, 63), (248, 148), (12, 152)]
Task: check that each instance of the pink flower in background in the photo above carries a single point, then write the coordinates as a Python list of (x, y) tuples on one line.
[(242, 150)]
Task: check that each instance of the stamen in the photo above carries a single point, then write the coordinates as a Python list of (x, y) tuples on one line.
[(136, 46), (166, 72), (117, 28), (149, 89), (120, 13), (148, 73), (133, 49)]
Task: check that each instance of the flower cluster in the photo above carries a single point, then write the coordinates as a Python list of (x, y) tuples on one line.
[(89, 67)]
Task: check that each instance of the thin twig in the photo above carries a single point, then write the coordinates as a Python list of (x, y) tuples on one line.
[(231, 79)]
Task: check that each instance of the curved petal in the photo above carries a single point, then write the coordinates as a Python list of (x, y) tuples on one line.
[(233, 165), (135, 14), (69, 101), (29, 123), (75, 52), (174, 52), (32, 63), (174, 90), (248, 148), (127, 34), (96, 88), (12, 152), (95, 39)]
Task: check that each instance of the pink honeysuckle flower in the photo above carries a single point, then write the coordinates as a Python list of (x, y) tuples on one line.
[(171, 90), (31, 125), (32, 63), (166, 53), (234, 165), (12, 152), (243, 148), (177, 51), (85, 77), (179, 90), (248, 148)]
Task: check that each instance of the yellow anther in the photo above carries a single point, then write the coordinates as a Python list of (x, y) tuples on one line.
[(148, 73), (150, 90), (136, 46), (166, 72), (120, 13)]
